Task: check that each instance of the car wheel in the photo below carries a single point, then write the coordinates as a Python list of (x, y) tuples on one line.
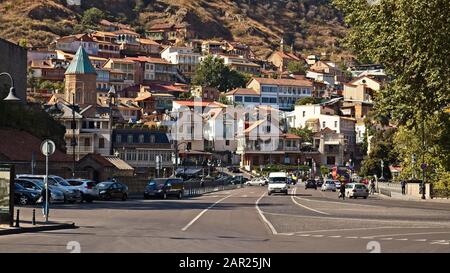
[(23, 200), (124, 197), (365, 197), (180, 195)]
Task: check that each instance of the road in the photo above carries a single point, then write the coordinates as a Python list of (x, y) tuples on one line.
[(246, 220)]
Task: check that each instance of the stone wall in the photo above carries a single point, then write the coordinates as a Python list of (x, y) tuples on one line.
[(13, 59)]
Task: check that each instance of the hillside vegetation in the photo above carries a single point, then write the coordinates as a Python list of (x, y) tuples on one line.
[(306, 24)]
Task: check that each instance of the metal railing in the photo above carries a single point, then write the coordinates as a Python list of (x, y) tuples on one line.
[(197, 187)]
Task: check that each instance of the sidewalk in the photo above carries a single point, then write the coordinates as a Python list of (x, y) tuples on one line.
[(26, 227), (399, 196)]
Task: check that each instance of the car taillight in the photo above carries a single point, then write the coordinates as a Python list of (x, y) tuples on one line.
[(88, 187)]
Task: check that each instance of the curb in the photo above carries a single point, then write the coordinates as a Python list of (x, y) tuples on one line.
[(37, 229)]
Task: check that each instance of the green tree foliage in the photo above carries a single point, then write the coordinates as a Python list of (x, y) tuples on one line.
[(307, 100), (213, 72), (296, 68), (92, 17), (411, 39), (324, 170), (305, 133)]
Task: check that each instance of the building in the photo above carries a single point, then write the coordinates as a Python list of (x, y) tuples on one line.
[(47, 70), (140, 148), (14, 62), (21, 148), (326, 68), (184, 58), (283, 92), (71, 44), (102, 168), (361, 89), (335, 135), (205, 93), (211, 47), (81, 80), (281, 59), (248, 97), (367, 70), (154, 104), (240, 64), (169, 33), (156, 69), (107, 44), (125, 66), (264, 143)]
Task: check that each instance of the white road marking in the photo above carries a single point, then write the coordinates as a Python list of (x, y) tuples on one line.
[(245, 195), (402, 239), (352, 237), (269, 224), (203, 212), (347, 229), (317, 236), (410, 234), (303, 206), (335, 236), (420, 240), (440, 242), (304, 235), (387, 239)]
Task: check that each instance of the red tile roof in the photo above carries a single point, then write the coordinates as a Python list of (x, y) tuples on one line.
[(243, 91), (147, 59), (16, 145)]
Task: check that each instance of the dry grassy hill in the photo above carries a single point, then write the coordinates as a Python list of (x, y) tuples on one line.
[(310, 25)]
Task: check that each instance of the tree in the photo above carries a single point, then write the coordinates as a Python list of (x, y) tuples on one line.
[(213, 72), (23, 42), (307, 100), (296, 68), (305, 133), (324, 170), (92, 17), (410, 38)]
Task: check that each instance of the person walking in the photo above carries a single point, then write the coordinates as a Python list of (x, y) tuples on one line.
[(44, 196), (342, 191), (403, 184)]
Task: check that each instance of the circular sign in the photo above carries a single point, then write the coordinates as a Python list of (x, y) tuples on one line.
[(48, 147), (424, 166)]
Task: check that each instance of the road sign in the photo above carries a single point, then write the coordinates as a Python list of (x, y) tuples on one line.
[(48, 147)]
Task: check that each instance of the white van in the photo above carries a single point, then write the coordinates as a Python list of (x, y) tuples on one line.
[(278, 183)]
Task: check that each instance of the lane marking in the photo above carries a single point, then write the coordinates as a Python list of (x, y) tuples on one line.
[(347, 229), (411, 234), (335, 236), (303, 206), (317, 236), (203, 212), (352, 237), (402, 239), (420, 240), (430, 224), (269, 224)]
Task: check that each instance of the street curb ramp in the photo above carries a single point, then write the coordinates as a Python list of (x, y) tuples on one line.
[(38, 229)]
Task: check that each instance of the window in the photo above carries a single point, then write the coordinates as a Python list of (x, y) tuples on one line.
[(238, 98), (101, 143), (255, 99), (130, 139), (248, 99), (268, 129), (304, 113), (152, 139), (87, 142), (335, 124), (189, 146), (141, 138), (323, 124), (265, 100), (273, 100), (227, 143), (118, 138)]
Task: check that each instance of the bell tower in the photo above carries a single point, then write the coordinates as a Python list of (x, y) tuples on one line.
[(80, 78)]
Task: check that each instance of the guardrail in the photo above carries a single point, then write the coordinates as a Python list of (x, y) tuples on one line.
[(197, 187)]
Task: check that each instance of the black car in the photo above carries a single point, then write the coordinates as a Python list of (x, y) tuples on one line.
[(23, 196), (164, 187), (112, 190), (319, 182), (310, 184)]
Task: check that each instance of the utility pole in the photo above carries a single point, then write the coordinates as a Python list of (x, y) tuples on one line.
[(74, 141)]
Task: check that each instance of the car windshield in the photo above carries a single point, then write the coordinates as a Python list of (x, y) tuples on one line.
[(360, 187), (104, 185), (61, 181), (75, 182), (277, 180), (157, 182)]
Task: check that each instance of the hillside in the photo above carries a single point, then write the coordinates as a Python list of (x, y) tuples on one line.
[(308, 24)]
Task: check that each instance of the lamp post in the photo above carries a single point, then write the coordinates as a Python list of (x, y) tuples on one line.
[(73, 141), (12, 90), (111, 95)]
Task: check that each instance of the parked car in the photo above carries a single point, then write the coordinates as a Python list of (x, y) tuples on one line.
[(71, 194), (328, 185), (256, 182), (338, 184), (87, 188), (277, 183), (164, 187), (23, 196), (355, 190), (233, 169), (319, 182), (310, 184), (57, 196), (109, 190)]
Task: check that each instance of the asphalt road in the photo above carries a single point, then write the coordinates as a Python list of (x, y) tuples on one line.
[(245, 220)]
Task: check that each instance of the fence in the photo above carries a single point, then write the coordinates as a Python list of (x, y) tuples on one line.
[(440, 193), (192, 187)]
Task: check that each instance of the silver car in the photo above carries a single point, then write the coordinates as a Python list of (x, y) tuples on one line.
[(71, 194), (328, 185), (87, 187), (57, 196), (355, 190)]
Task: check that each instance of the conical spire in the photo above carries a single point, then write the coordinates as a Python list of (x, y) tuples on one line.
[(81, 63)]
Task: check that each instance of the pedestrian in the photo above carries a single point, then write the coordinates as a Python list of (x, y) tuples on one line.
[(403, 184), (45, 208), (342, 191), (372, 186)]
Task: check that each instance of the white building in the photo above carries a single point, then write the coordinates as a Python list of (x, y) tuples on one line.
[(73, 42), (184, 57)]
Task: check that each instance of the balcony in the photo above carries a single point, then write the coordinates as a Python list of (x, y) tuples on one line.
[(80, 149)]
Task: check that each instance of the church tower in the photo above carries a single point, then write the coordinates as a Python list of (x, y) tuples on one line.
[(80, 79)]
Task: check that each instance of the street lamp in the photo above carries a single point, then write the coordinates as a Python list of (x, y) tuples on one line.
[(12, 90), (111, 95)]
